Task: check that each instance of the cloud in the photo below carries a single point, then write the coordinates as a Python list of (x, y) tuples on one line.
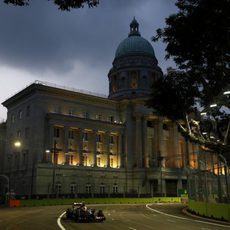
[(73, 48)]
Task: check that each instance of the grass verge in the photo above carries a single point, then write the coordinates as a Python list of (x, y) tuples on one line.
[(67, 201)]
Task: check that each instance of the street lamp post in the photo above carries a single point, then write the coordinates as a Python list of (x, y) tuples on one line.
[(17, 144), (8, 185), (54, 152), (54, 167)]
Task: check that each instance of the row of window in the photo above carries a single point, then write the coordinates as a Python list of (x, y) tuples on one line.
[(129, 82), (26, 133), (19, 159), (87, 115), (99, 161), (57, 133), (88, 188), (26, 113), (20, 113)]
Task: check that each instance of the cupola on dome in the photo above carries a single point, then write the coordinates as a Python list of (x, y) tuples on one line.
[(135, 67), (134, 44)]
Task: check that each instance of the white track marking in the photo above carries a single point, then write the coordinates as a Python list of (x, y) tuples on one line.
[(132, 228), (178, 217), (59, 221), (183, 218)]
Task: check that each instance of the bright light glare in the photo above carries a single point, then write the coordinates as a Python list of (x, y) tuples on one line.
[(213, 105), (226, 92), (203, 114), (47, 151), (17, 144)]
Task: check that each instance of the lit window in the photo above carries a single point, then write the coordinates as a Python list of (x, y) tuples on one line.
[(99, 146), (99, 161), (111, 162), (85, 160)]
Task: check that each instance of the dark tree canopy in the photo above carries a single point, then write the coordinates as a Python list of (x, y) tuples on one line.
[(197, 39), (62, 4), (173, 96)]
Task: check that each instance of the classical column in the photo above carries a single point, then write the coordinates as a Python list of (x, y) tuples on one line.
[(107, 137), (138, 157), (49, 143), (129, 138), (80, 150), (66, 144), (144, 144), (176, 146), (161, 143), (120, 151), (94, 148)]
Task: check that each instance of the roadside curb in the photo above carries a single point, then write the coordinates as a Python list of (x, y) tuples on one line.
[(186, 212)]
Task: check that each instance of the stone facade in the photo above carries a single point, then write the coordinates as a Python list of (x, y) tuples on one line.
[(73, 143), (79, 143)]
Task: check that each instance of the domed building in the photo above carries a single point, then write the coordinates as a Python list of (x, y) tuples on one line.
[(134, 67), (83, 144)]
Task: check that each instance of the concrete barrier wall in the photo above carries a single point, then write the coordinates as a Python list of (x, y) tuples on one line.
[(213, 210)]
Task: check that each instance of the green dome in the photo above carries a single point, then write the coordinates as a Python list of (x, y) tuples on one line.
[(134, 45)]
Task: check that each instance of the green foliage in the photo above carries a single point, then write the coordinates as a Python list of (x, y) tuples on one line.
[(62, 4), (173, 96), (197, 39)]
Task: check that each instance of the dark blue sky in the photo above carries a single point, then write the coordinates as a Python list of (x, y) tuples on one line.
[(73, 49)]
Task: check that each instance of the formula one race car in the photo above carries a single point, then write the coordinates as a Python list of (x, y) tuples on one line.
[(80, 213)]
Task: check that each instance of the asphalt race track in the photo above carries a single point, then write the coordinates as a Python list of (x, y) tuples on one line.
[(118, 217)]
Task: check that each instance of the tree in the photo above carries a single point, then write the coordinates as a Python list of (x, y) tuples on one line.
[(63, 4), (197, 39)]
